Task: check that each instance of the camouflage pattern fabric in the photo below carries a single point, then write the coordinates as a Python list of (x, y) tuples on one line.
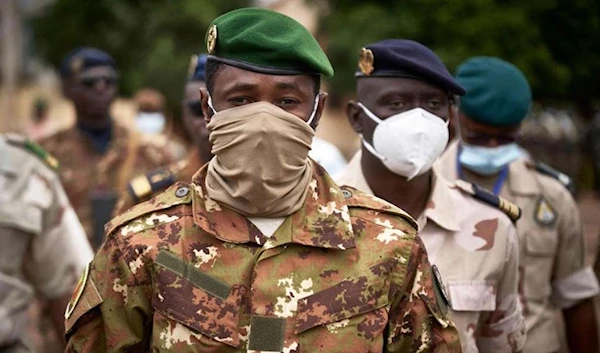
[(345, 273), (553, 275), (84, 172), (476, 249)]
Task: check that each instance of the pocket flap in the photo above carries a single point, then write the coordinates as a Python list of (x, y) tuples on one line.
[(197, 300), (344, 300), (472, 295), (540, 243), (22, 216)]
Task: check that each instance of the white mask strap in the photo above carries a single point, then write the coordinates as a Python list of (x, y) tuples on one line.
[(210, 104), (371, 149), (314, 112), (374, 117)]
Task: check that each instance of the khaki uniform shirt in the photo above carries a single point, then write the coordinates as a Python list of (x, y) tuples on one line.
[(42, 245), (181, 273), (88, 175), (475, 248), (553, 273)]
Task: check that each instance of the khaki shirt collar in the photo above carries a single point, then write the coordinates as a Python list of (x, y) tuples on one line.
[(323, 221), (521, 179)]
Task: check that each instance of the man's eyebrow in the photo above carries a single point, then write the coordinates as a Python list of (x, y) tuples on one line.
[(240, 86), (288, 85)]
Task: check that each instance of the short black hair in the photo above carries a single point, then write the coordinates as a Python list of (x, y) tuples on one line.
[(213, 67)]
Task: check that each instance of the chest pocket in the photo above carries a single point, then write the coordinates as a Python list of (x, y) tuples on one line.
[(197, 300), (337, 314), (472, 295), (540, 242), (22, 216)]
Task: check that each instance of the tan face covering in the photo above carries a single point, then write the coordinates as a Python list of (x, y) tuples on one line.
[(261, 166)]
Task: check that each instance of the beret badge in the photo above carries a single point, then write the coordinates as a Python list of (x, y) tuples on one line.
[(211, 39), (76, 65), (365, 61)]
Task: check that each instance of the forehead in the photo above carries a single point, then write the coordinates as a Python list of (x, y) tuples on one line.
[(473, 125), (374, 86), (233, 78), (97, 71)]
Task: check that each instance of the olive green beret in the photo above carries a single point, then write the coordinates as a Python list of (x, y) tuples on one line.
[(498, 93), (265, 41)]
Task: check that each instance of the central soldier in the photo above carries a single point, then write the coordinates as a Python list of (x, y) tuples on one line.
[(262, 251)]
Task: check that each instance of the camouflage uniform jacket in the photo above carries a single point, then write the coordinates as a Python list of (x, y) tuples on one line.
[(42, 245), (476, 249), (86, 173), (145, 186), (553, 274), (345, 273)]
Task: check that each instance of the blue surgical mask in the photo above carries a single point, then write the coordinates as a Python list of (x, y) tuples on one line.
[(488, 160)]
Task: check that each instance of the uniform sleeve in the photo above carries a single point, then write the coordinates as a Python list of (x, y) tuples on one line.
[(572, 280), (113, 311), (418, 319), (503, 330), (61, 250)]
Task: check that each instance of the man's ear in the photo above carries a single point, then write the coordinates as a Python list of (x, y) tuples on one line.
[(208, 113), (320, 108), (353, 113)]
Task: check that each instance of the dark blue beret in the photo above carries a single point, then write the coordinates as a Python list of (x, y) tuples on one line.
[(498, 93), (197, 68), (405, 58), (84, 58)]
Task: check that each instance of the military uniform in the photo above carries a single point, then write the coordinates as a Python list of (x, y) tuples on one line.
[(92, 179), (475, 248), (553, 273), (43, 246), (145, 186), (181, 273)]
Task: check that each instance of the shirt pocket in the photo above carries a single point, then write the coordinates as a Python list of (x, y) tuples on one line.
[(336, 316), (540, 242), (197, 300), (472, 295)]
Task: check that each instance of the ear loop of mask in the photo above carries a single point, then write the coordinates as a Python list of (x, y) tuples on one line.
[(367, 145), (314, 112), (210, 103)]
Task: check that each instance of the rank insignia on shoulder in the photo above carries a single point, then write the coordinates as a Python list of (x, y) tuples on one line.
[(547, 170), (510, 209), (34, 148), (440, 290), (142, 186), (545, 214)]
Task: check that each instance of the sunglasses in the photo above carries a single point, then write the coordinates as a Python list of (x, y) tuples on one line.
[(481, 139), (90, 82), (195, 107)]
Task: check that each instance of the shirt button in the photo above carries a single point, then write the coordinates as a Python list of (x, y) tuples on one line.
[(347, 194), (182, 191)]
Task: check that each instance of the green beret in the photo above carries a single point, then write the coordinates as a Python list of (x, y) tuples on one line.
[(498, 93), (265, 41)]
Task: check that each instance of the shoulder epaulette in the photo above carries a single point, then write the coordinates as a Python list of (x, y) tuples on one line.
[(143, 186), (34, 148), (357, 198), (545, 169), (512, 211), (176, 194)]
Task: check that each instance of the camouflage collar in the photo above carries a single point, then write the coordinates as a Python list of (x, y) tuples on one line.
[(323, 221)]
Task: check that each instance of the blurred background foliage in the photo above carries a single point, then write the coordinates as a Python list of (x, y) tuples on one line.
[(151, 40), (555, 42)]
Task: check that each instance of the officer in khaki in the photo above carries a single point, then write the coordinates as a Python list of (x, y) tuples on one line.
[(261, 251), (553, 273), (404, 88), (43, 248), (97, 155)]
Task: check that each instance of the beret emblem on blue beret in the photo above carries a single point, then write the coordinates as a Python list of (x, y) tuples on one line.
[(365, 61), (211, 39), (193, 63), (76, 64)]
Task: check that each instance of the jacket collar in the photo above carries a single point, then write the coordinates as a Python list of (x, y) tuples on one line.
[(323, 221)]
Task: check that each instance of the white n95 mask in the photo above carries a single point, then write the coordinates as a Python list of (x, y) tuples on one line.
[(408, 143)]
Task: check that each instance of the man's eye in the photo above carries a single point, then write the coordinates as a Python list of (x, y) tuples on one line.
[(397, 104), (434, 104), (239, 100), (287, 102)]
